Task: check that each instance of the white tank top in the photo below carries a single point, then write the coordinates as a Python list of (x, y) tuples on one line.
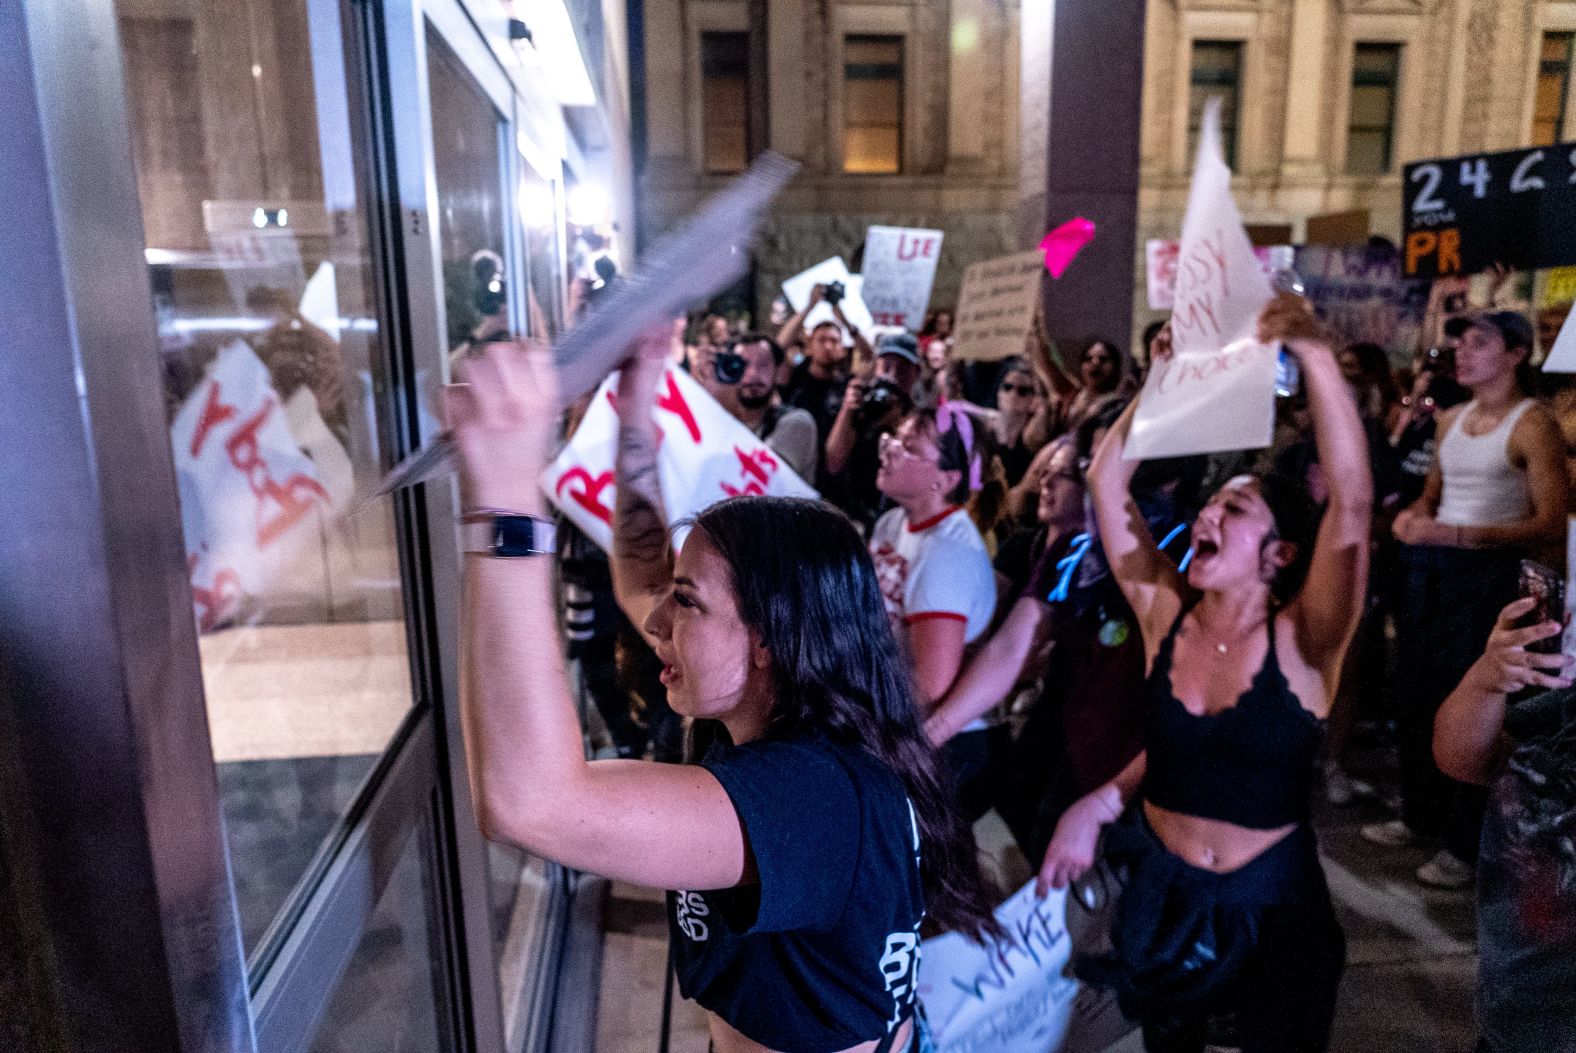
[(1481, 486)]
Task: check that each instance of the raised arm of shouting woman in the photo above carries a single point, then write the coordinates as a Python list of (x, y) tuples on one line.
[(1256, 629), (797, 928)]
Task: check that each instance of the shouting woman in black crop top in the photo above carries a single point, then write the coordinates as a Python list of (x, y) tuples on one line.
[(1226, 912), (813, 841)]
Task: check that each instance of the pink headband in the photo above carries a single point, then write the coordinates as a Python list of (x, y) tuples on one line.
[(951, 417)]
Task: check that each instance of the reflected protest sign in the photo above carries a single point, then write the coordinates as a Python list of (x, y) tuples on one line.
[(798, 288), (1462, 215), (996, 306), (250, 498), (704, 455), (899, 270), (1217, 390), (1161, 256), (1015, 994)]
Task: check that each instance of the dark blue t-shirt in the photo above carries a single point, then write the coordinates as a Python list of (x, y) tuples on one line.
[(823, 953)]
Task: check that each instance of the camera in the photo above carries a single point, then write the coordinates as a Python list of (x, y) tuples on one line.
[(728, 367), (488, 291), (880, 398), (834, 292)]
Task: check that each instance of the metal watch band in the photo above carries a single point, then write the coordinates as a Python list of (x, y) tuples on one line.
[(508, 535)]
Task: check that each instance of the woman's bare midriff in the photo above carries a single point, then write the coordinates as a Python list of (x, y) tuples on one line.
[(1210, 844), (724, 1039)]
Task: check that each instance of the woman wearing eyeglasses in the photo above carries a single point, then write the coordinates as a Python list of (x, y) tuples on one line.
[(934, 569)]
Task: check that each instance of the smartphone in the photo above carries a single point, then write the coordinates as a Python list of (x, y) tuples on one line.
[(1288, 375), (1547, 587)]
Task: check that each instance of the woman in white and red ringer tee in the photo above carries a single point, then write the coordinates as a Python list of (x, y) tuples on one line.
[(935, 571)]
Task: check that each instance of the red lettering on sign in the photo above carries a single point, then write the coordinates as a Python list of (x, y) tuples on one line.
[(1177, 373), (589, 496), (214, 603), (293, 498), (213, 413), (672, 400), (915, 248)]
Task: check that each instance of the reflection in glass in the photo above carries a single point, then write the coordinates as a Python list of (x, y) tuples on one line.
[(252, 159), (387, 999)]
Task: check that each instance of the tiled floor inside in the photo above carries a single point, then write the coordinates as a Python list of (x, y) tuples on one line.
[(1410, 950)]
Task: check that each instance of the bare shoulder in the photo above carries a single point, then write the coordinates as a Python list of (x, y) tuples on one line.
[(1537, 432)]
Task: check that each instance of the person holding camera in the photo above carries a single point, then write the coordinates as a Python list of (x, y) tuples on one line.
[(817, 382), (872, 406), (1526, 896), (741, 376)]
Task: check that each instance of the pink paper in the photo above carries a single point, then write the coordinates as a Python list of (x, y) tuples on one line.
[(1064, 243)]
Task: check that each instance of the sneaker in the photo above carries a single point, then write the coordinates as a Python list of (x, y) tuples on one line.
[(1446, 870), (1394, 834), (1340, 789)]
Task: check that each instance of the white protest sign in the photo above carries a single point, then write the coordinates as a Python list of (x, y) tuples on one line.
[(996, 306), (1217, 390), (1014, 995), (798, 288), (704, 455), (899, 269), (249, 497), (1162, 254), (1562, 356)]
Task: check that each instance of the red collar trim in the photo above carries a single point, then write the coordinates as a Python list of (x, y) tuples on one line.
[(914, 528)]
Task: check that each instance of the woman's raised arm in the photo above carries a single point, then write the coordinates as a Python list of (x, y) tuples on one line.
[(664, 825)]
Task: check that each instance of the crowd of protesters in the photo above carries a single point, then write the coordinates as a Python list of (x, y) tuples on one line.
[(1151, 663)]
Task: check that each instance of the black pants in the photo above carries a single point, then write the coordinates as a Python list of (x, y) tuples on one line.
[(1259, 946), (1449, 604), (972, 762)]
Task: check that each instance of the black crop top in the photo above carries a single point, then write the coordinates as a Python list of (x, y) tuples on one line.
[(1251, 765)]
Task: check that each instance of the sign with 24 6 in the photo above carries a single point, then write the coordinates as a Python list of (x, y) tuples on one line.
[(1465, 214)]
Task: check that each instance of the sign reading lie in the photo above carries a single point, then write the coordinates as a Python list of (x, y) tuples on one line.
[(1462, 215), (704, 456), (899, 269)]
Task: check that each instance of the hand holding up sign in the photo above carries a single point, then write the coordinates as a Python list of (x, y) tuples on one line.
[(502, 415)]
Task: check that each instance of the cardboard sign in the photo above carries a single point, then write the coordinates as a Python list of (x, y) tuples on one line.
[(1162, 254), (250, 498), (1462, 215), (1014, 995), (1217, 391), (798, 288), (1562, 356), (900, 268), (704, 456), (996, 306)]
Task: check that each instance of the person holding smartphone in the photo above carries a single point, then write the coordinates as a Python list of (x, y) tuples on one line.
[(797, 928), (1525, 752), (1497, 491)]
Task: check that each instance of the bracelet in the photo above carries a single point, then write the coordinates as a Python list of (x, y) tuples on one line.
[(482, 515)]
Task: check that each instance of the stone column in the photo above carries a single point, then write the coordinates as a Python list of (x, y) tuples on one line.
[(1082, 101)]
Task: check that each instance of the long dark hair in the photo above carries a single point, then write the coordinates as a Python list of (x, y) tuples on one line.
[(806, 586)]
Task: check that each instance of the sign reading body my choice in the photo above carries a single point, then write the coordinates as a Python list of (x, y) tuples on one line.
[(704, 456), (996, 306), (899, 269), (1217, 391)]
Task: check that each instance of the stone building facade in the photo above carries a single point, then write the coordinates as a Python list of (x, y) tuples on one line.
[(1331, 97), (958, 168)]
